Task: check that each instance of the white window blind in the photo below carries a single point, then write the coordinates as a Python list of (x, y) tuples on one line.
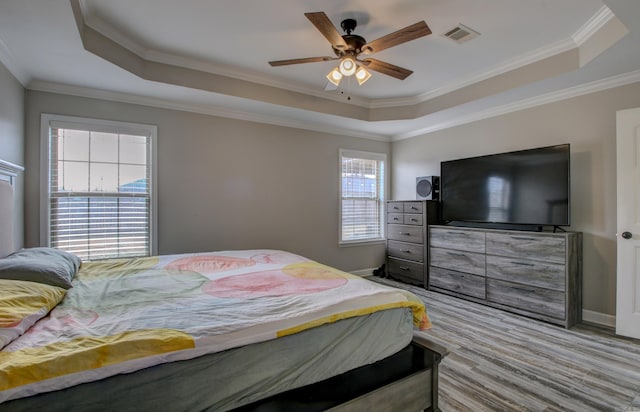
[(100, 190), (362, 196)]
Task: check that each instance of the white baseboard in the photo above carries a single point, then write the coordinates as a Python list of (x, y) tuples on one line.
[(598, 318)]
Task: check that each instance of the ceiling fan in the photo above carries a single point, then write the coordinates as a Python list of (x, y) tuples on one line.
[(349, 48)]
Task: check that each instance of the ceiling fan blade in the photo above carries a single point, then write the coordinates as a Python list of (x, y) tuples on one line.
[(328, 30), (409, 33), (303, 60), (387, 68)]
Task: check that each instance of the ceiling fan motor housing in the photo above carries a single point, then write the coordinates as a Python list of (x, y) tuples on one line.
[(354, 45), (353, 41)]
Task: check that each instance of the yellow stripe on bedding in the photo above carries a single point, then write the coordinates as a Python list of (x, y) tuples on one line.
[(61, 358), (19, 299), (316, 271), (116, 267), (420, 318)]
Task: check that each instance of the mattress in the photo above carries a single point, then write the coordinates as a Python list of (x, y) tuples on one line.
[(226, 380), (214, 330)]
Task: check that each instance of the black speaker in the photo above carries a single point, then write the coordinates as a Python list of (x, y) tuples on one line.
[(427, 187)]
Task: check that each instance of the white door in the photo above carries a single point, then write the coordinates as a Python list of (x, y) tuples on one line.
[(628, 228)]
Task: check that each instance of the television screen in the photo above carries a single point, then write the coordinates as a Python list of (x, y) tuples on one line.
[(527, 187)]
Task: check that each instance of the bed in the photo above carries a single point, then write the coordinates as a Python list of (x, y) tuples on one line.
[(246, 330)]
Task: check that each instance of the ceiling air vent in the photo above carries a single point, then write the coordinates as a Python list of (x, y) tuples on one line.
[(461, 34)]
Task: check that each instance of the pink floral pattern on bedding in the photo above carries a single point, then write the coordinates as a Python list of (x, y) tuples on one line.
[(208, 264), (277, 258), (125, 315), (268, 283)]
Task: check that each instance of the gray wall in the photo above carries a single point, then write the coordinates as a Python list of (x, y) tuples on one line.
[(226, 184), (12, 141), (588, 124)]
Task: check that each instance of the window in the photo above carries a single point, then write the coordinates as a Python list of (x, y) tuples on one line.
[(499, 190), (99, 187), (362, 195)]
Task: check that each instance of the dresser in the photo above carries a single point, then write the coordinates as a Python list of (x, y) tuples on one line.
[(536, 274), (407, 255)]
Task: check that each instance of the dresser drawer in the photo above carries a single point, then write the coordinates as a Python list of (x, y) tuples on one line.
[(397, 218), (467, 284), (405, 233), (547, 248), (469, 240), (528, 272), (413, 207), (529, 298), (412, 219), (395, 207), (406, 269), (457, 260), (409, 251)]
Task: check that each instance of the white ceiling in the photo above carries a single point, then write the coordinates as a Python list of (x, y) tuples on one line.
[(215, 54)]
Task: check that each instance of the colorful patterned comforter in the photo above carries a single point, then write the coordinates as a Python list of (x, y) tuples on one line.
[(125, 315)]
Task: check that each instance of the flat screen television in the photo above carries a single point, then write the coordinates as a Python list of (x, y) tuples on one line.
[(526, 187)]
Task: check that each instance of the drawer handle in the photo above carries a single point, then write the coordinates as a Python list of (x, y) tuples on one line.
[(414, 208), (405, 233), (404, 268), (523, 289), (522, 238), (522, 263), (405, 251), (396, 208), (395, 218), (457, 233), (414, 220)]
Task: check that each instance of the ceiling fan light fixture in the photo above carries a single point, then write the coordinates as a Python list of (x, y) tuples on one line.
[(335, 76), (349, 47), (362, 75), (347, 66)]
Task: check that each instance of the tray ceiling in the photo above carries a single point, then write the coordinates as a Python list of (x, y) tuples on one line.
[(212, 58)]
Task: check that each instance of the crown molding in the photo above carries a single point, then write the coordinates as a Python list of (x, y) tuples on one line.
[(10, 62), (111, 32), (568, 93), (596, 22), (215, 68), (211, 110), (588, 29), (207, 66), (587, 88), (158, 56), (518, 62), (591, 27)]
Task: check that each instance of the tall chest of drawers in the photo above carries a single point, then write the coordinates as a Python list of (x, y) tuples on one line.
[(407, 247), (536, 274)]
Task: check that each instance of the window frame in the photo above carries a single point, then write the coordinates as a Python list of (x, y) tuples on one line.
[(109, 126), (382, 196)]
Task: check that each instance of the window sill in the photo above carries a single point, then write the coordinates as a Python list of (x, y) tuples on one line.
[(362, 243)]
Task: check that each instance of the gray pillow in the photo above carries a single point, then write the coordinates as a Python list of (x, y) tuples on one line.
[(41, 264)]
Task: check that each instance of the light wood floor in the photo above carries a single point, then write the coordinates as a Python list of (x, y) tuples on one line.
[(504, 362)]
